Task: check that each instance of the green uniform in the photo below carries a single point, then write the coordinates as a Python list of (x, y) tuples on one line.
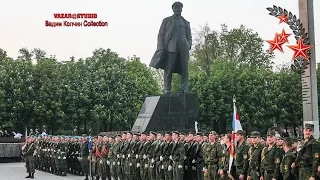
[(308, 159), (167, 163), (144, 160), (157, 153), (28, 152), (112, 161), (84, 153), (199, 160), (241, 160), (270, 162), (255, 161), (151, 161), (212, 153), (177, 157), (285, 166)]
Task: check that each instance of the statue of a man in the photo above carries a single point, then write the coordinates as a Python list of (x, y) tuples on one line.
[(174, 43)]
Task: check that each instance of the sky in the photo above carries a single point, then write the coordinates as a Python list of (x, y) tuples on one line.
[(133, 25)]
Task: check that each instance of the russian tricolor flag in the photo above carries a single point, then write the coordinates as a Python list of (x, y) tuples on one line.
[(236, 125)]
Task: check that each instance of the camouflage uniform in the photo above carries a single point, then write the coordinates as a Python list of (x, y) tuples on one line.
[(255, 158), (287, 160), (241, 158), (212, 153)]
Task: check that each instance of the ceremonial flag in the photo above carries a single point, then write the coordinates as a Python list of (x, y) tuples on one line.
[(26, 133), (90, 143), (236, 125)]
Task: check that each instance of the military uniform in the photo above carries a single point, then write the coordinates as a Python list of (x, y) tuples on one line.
[(241, 158), (308, 157), (177, 157), (255, 158), (28, 150), (84, 153), (212, 152), (270, 161), (287, 160)]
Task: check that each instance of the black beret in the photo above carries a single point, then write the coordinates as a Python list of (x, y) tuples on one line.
[(144, 133), (152, 132)]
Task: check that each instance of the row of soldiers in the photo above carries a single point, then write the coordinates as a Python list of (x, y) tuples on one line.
[(177, 156)]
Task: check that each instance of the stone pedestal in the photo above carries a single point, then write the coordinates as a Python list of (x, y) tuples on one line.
[(174, 112)]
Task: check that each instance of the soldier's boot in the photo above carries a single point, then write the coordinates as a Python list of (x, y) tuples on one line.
[(28, 175), (32, 176)]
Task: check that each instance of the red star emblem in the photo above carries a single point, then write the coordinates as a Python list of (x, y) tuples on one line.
[(283, 18), (300, 50), (276, 44), (283, 37)]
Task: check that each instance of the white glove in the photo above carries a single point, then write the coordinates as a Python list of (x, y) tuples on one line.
[(170, 157), (193, 161), (152, 160), (138, 165), (108, 162), (100, 162), (118, 156), (123, 156), (137, 156), (185, 157), (146, 166), (194, 168), (161, 158), (118, 163), (114, 163), (169, 168), (130, 164), (59, 157), (180, 166), (162, 167), (144, 156), (129, 155), (64, 157)]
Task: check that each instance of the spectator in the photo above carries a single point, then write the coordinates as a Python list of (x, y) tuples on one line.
[(17, 135), (37, 132), (31, 133), (44, 132), (1, 133), (6, 134)]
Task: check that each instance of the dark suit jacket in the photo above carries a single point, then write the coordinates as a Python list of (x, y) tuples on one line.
[(165, 35)]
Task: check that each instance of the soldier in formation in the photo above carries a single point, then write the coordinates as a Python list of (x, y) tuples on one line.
[(176, 156)]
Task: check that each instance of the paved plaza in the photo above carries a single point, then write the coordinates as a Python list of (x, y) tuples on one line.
[(17, 171)]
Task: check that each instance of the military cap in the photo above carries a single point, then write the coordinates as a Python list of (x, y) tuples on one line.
[(177, 4), (119, 135), (84, 135), (191, 132), (130, 133), (181, 133), (241, 132), (137, 134), (100, 134), (271, 133), (143, 133), (309, 126), (160, 132), (113, 137), (176, 132), (255, 134), (199, 134), (213, 132), (154, 133), (289, 141), (168, 132)]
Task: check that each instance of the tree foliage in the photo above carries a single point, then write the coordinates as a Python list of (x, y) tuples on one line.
[(104, 92)]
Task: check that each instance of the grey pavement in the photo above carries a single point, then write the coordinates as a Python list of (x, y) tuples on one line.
[(17, 171)]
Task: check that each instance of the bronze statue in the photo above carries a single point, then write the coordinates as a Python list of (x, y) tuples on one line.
[(174, 43)]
